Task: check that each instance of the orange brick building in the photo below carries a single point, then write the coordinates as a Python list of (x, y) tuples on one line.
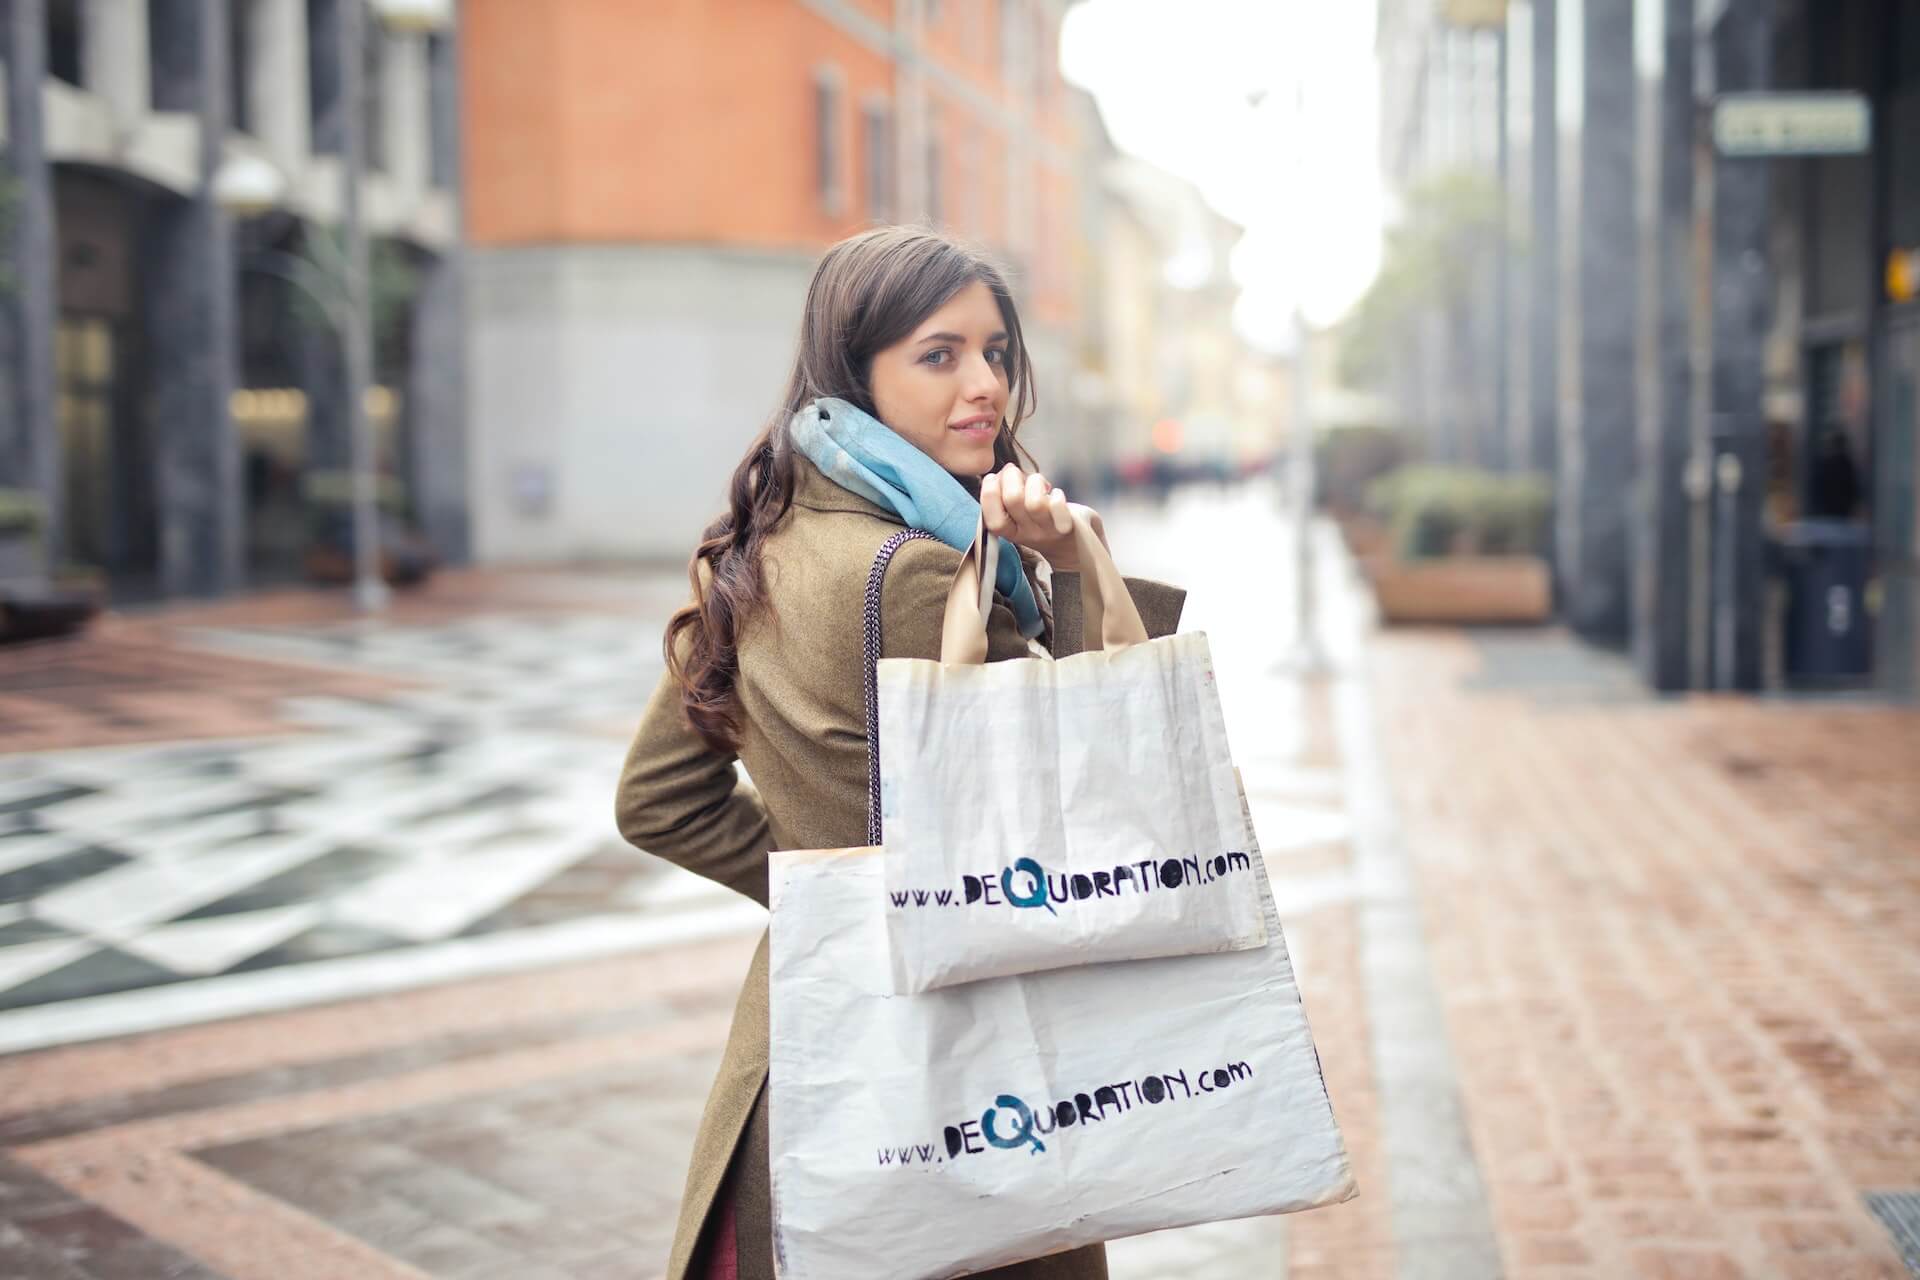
[(649, 184)]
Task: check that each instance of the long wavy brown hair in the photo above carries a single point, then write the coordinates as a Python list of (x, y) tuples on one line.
[(868, 293)]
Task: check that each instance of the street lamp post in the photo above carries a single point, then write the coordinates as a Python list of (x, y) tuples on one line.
[(1308, 657), (369, 586)]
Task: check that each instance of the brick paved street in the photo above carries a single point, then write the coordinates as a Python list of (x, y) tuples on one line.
[(1602, 986), (1677, 953)]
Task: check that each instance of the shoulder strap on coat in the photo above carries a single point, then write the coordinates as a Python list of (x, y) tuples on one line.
[(874, 580)]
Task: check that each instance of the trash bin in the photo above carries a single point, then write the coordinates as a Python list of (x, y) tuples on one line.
[(1826, 564)]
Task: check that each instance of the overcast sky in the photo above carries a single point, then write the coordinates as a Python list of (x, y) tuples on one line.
[(1174, 81)]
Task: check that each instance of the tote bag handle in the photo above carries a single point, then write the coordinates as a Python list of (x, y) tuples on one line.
[(1109, 619)]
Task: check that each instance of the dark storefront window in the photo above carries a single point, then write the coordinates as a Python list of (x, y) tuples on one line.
[(101, 379), (84, 370)]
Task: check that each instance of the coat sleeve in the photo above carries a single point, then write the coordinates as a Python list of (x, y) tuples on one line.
[(1160, 606), (913, 599), (913, 606), (685, 802)]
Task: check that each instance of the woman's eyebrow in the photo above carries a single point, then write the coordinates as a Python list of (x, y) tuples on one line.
[(999, 336)]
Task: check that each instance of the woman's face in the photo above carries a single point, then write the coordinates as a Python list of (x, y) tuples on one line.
[(945, 386)]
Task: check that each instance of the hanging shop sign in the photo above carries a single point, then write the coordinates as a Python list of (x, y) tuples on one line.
[(1792, 124)]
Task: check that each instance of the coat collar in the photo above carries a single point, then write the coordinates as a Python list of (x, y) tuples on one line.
[(812, 490)]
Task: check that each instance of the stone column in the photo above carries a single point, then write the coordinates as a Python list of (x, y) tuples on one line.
[(113, 56), (29, 434), (405, 90), (1597, 434), (1662, 552), (1741, 48), (1543, 261), (279, 81), (191, 335), (437, 394)]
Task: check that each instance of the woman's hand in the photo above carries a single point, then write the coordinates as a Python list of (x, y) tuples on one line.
[(1029, 512)]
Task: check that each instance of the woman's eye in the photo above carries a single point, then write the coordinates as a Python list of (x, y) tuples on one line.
[(996, 355), (938, 356)]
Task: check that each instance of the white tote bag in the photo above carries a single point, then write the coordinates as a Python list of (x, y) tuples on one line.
[(1037, 813), (926, 1136)]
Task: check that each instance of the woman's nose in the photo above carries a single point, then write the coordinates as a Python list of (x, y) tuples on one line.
[(980, 379)]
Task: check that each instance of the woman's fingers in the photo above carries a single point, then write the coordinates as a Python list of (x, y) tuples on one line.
[(1062, 514), (1013, 486), (1028, 510), (992, 509), (1036, 497)]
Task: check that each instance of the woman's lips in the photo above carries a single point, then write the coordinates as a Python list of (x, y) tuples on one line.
[(974, 428)]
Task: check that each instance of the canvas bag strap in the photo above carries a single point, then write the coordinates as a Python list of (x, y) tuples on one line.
[(874, 579)]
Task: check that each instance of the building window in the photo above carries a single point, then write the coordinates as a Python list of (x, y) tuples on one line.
[(968, 216), (173, 54), (1046, 53), (935, 214), (63, 40), (442, 111), (240, 65), (324, 108), (879, 147), (373, 118), (828, 148), (1010, 18)]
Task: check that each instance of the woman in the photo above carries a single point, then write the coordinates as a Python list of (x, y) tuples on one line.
[(910, 386)]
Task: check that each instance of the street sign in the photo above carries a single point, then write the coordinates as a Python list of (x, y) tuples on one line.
[(1792, 124), (1475, 13)]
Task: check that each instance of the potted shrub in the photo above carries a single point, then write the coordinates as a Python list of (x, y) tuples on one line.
[(1464, 547), (1347, 462), (405, 558), (30, 608), (21, 518)]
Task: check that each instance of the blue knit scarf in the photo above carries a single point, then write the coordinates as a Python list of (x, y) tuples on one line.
[(863, 455)]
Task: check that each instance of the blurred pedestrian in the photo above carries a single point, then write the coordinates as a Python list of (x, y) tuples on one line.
[(907, 339), (1836, 477)]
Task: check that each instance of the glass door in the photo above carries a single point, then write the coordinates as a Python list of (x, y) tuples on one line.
[(84, 368)]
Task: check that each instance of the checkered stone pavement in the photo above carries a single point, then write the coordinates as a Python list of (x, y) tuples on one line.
[(471, 796)]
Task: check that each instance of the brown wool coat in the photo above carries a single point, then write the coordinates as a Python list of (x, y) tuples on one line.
[(804, 744)]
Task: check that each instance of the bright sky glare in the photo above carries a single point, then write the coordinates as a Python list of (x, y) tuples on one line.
[(1178, 85)]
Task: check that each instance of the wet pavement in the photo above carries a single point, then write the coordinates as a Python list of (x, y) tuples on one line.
[(1601, 985), (417, 782)]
